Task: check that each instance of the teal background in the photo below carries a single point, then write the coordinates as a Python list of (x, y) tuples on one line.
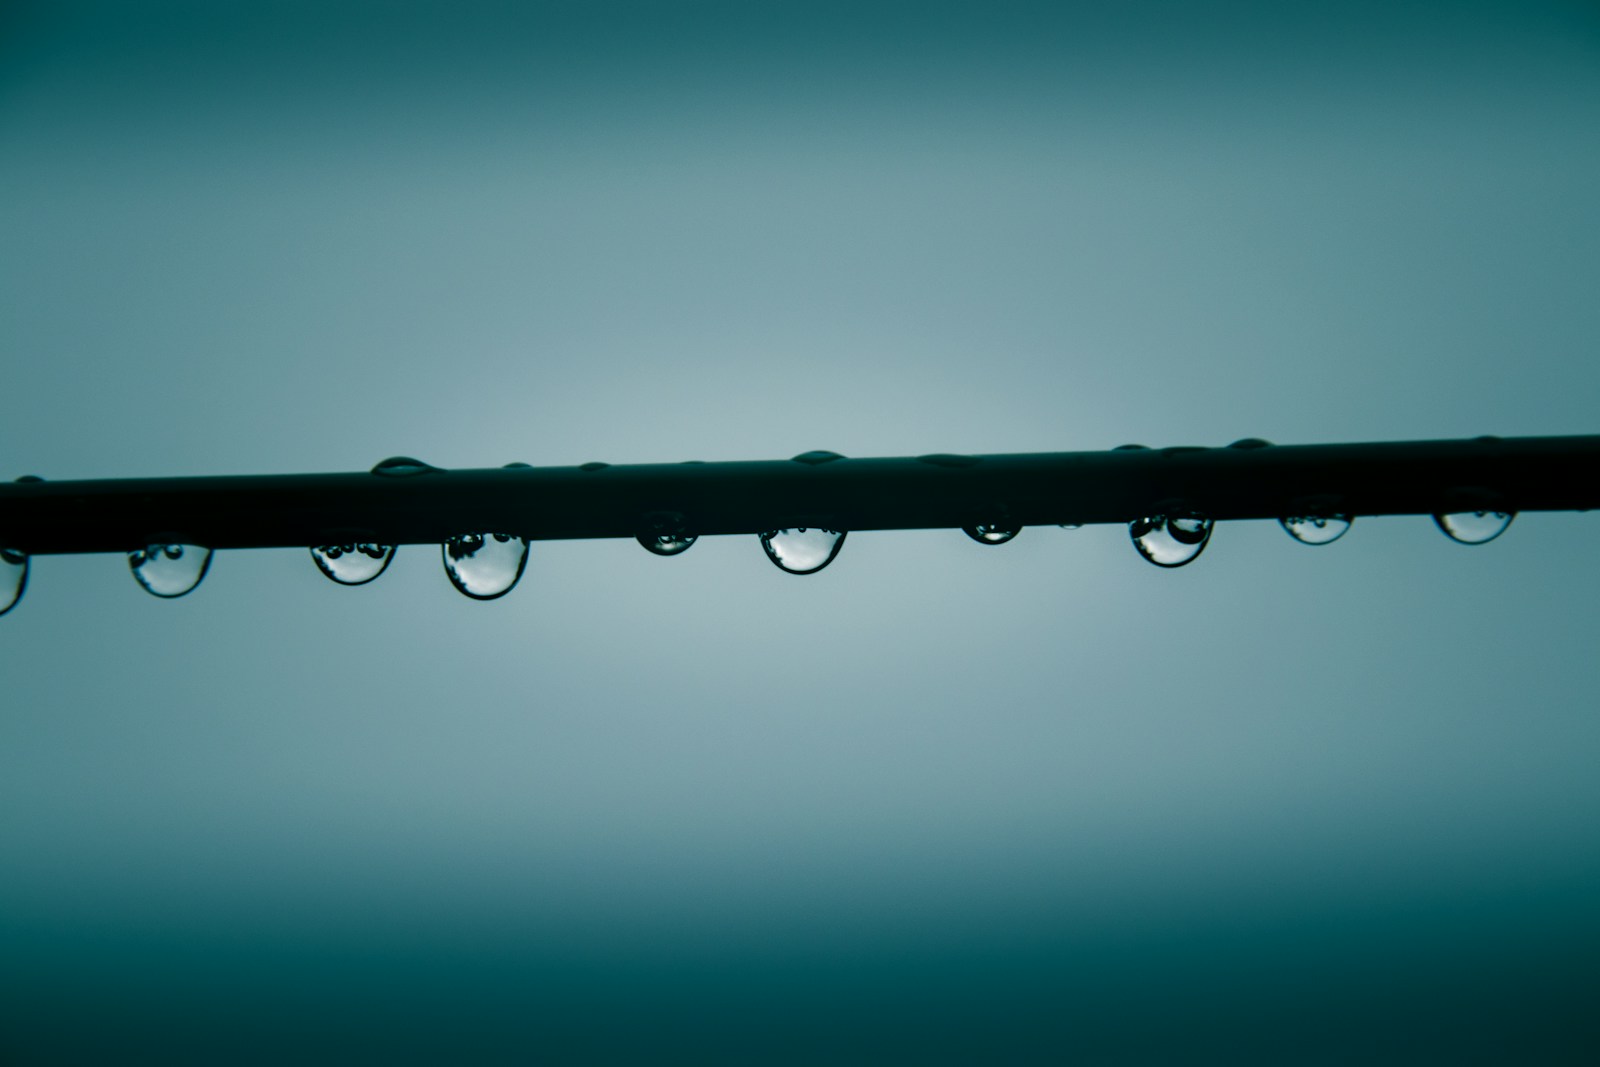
[(939, 803)]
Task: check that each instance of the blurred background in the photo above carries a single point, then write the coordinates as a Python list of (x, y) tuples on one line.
[(938, 803)]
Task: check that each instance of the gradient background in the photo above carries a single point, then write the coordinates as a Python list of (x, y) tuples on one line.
[(940, 803)]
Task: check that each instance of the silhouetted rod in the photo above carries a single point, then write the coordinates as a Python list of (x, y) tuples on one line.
[(1250, 480)]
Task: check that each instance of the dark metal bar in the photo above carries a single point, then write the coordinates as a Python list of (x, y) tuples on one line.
[(1248, 480)]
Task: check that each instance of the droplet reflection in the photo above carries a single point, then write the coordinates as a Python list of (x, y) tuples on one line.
[(13, 577), (802, 550), (169, 571), (485, 566), (1170, 541), (667, 544), (1474, 527), (1316, 529), (991, 535), (353, 564)]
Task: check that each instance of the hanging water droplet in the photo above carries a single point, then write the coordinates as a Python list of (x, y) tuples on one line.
[(1170, 541), (804, 550), (1474, 527), (169, 571), (485, 566), (403, 467), (13, 577), (355, 564), (1316, 529), (1070, 525), (666, 544), (991, 535)]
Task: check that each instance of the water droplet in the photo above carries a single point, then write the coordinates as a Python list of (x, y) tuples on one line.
[(803, 550), (1170, 541), (946, 459), (29, 479), (517, 466), (403, 467), (666, 544), (13, 577), (593, 465), (354, 564), (1474, 527), (1070, 525), (485, 566), (817, 458), (991, 535), (1317, 529), (1251, 442), (1131, 448), (169, 571)]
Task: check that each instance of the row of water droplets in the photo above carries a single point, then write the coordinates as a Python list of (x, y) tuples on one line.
[(485, 566)]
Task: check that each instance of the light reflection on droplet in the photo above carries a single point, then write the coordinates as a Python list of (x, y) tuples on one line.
[(13, 577), (1070, 525), (169, 571), (1170, 541), (666, 544), (1316, 529), (485, 566), (355, 564), (1474, 527), (991, 535), (804, 550)]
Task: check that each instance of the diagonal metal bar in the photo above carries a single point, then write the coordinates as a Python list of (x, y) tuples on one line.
[(1248, 480)]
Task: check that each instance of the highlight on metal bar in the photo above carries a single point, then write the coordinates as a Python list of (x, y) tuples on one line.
[(800, 509)]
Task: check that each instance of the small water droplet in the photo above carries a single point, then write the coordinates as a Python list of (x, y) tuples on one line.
[(1474, 527), (1251, 442), (485, 566), (1070, 525), (1131, 448), (804, 550), (1316, 529), (403, 467), (593, 465), (1170, 541), (817, 458), (991, 535), (13, 577), (666, 544), (355, 564), (169, 570), (29, 479), (517, 466)]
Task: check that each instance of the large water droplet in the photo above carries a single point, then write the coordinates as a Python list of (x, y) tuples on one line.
[(667, 544), (803, 550), (354, 564), (13, 577), (1251, 442), (817, 458), (1474, 527), (403, 467), (485, 566), (1316, 529), (1170, 541), (169, 571), (991, 535)]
